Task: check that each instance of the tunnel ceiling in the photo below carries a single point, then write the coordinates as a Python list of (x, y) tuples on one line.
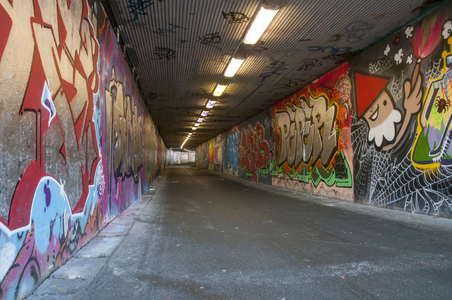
[(180, 49)]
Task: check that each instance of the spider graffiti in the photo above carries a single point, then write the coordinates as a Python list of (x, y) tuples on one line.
[(442, 105)]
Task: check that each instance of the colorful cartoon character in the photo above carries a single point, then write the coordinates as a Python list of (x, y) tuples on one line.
[(377, 107)]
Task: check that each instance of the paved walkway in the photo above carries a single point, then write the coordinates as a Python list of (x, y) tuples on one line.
[(203, 235)]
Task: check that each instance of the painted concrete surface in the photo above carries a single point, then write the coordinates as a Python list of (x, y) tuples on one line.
[(77, 274), (211, 236)]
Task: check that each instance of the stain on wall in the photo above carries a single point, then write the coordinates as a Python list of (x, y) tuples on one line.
[(78, 144), (375, 130)]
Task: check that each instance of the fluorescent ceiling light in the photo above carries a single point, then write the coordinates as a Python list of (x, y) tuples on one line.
[(197, 124), (190, 133), (211, 103), (233, 67), (219, 90), (204, 113), (194, 128), (200, 120), (260, 24)]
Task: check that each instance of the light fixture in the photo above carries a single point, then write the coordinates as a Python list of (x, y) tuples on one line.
[(181, 146), (219, 90), (200, 120), (204, 113), (210, 103), (194, 128), (197, 124), (190, 133), (233, 67), (260, 24)]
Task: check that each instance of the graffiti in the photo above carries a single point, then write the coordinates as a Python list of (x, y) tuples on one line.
[(255, 152), (310, 134), (164, 53), (293, 82), (312, 63), (138, 7), (401, 167), (150, 150), (72, 137), (356, 30), (235, 17), (329, 49), (231, 157), (126, 127), (171, 29), (309, 64), (432, 147), (274, 68), (377, 107), (334, 58), (307, 132), (59, 82), (209, 39), (65, 150), (182, 41), (335, 38)]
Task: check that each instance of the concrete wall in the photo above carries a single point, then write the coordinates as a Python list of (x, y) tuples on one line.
[(376, 130), (78, 145)]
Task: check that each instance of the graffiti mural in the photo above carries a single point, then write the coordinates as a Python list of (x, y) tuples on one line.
[(73, 144), (256, 151), (230, 154), (312, 136), (401, 125)]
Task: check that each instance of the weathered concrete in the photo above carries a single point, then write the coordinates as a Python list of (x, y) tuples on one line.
[(80, 268), (206, 236), (101, 246)]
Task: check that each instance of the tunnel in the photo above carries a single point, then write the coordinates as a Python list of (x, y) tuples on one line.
[(233, 149)]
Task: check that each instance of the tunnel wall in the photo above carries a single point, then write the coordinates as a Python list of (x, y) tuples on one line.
[(273, 148), (377, 129), (78, 145)]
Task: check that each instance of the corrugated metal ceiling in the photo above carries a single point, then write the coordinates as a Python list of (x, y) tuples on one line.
[(180, 49)]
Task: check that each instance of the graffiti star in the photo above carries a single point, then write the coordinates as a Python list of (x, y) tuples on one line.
[(377, 107), (138, 7)]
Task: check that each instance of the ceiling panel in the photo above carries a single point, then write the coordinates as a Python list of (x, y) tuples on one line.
[(180, 49)]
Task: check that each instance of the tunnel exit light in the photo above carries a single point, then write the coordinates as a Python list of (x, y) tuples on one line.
[(219, 90), (260, 24)]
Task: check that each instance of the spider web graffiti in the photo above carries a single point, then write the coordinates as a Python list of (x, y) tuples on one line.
[(397, 87), (381, 64), (433, 73), (383, 182)]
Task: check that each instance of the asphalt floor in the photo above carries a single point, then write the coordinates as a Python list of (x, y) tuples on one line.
[(197, 234)]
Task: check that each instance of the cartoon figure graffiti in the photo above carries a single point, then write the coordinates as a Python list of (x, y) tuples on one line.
[(435, 121), (394, 166), (377, 107)]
